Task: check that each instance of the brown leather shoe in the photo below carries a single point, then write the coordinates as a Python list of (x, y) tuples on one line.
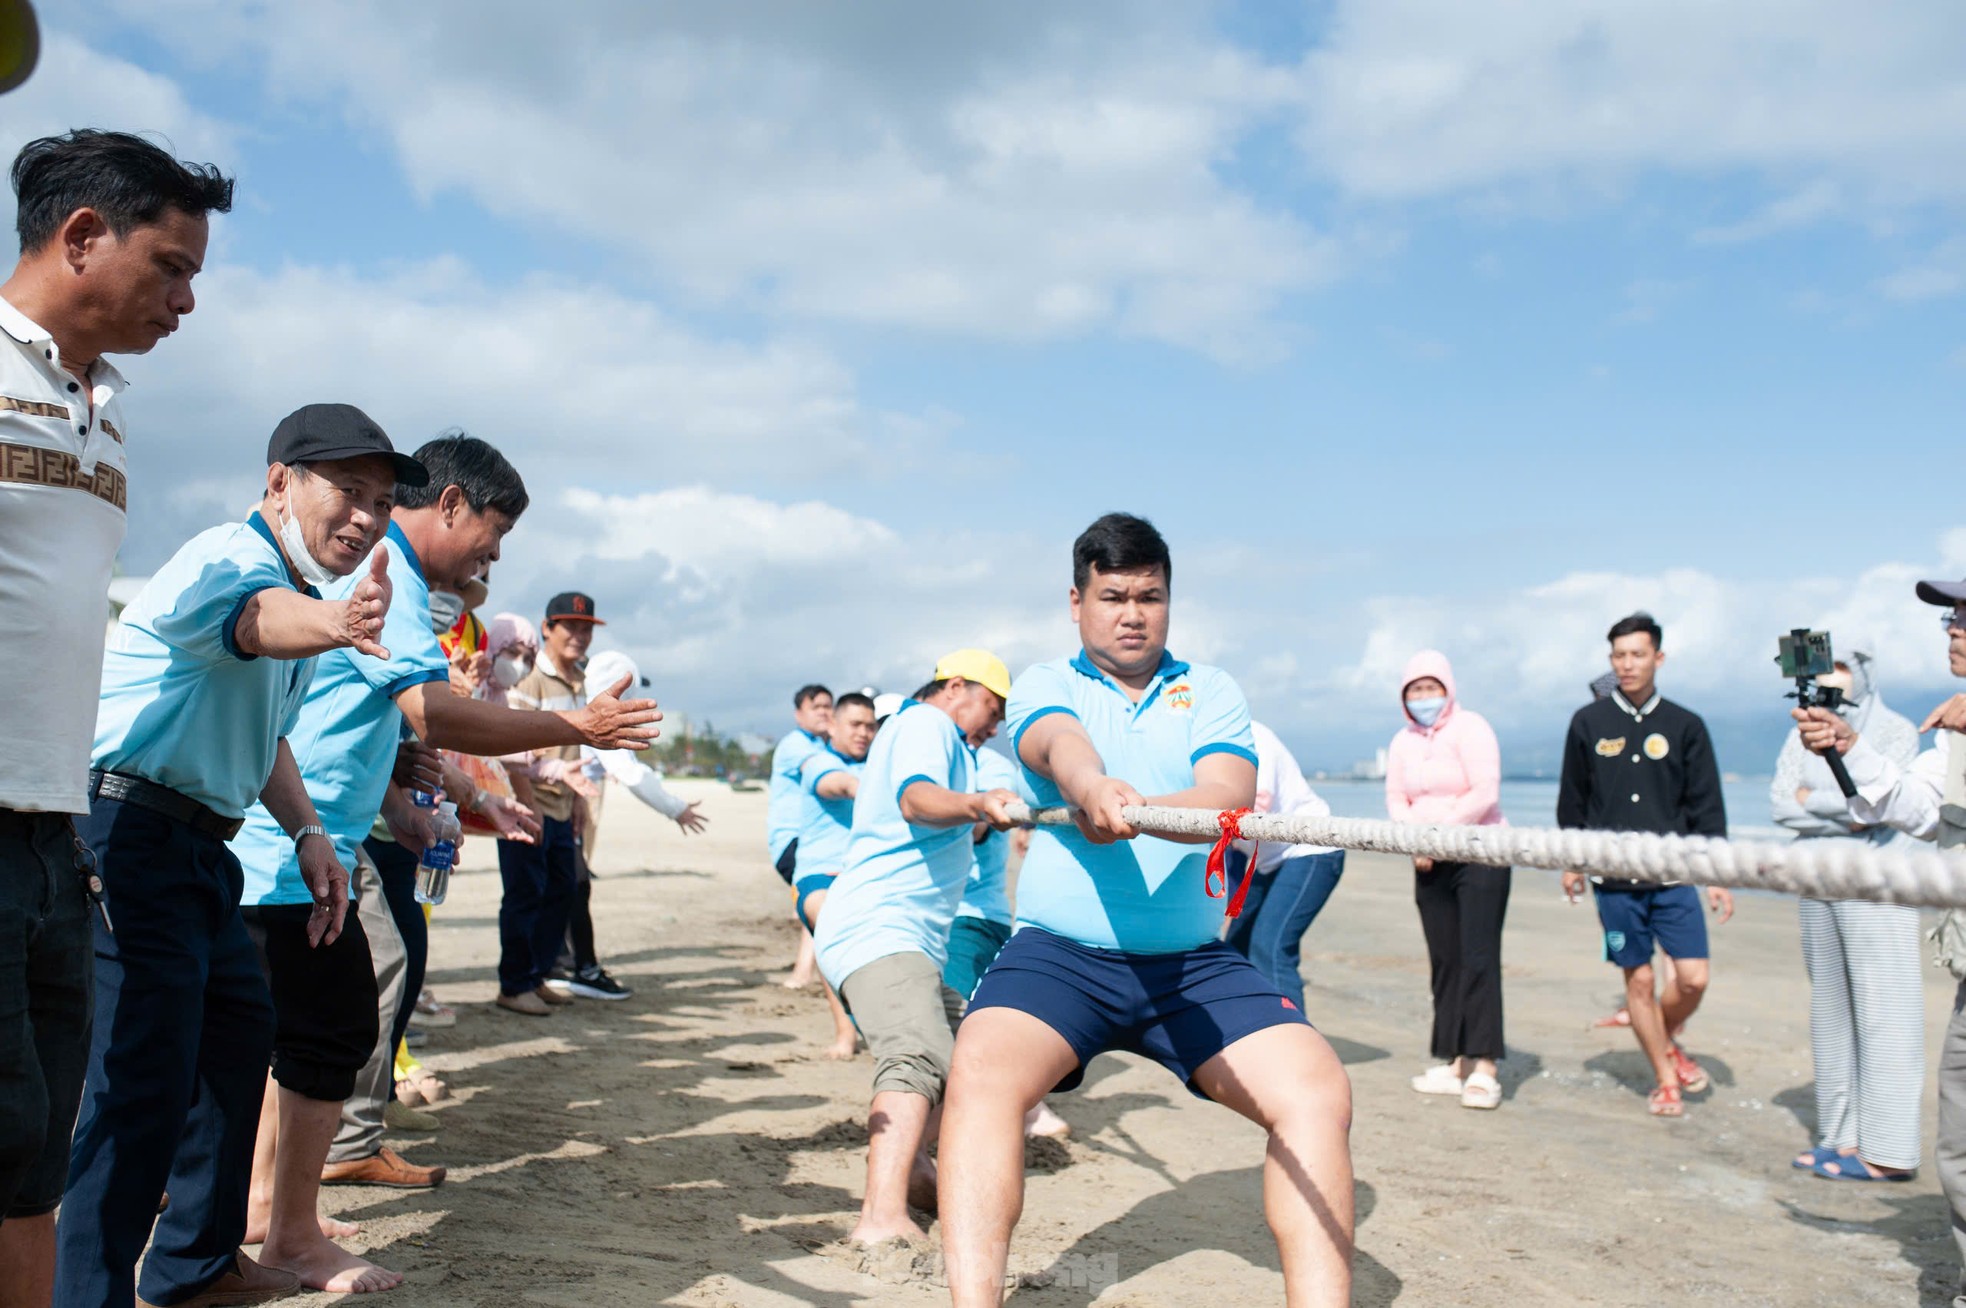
[(246, 1283), (385, 1167), (529, 1003), (553, 996)]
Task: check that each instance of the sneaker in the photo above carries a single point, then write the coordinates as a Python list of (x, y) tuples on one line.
[(595, 983)]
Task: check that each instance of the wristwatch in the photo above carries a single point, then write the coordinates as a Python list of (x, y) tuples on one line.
[(305, 832)]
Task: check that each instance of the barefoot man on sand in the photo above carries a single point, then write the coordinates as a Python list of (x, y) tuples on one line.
[(1116, 946), (883, 936), (829, 779)]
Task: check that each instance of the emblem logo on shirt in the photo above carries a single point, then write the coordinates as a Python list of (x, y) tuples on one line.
[(1180, 695), (1615, 939), (1611, 748), (1657, 747)]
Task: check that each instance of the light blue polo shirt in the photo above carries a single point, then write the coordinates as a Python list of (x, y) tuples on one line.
[(902, 881), (784, 812), (1144, 895), (181, 706), (987, 893), (345, 739), (827, 823)]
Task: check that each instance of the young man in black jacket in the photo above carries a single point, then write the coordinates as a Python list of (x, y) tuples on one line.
[(1635, 761)]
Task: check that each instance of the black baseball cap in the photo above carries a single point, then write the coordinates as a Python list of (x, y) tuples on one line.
[(319, 432), (572, 606), (1943, 593)]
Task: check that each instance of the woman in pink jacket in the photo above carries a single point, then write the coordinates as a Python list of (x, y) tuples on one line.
[(1444, 768)]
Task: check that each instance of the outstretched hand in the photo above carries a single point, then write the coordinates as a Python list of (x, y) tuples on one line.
[(366, 606), (690, 820), (611, 722), (1949, 716)]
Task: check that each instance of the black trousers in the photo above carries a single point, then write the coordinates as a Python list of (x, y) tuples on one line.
[(1462, 906)]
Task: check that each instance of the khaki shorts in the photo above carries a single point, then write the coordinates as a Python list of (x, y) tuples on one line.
[(909, 1018)]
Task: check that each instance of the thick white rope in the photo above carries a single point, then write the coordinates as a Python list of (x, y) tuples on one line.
[(1904, 872)]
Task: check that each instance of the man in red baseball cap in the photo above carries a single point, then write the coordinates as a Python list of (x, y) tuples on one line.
[(542, 880)]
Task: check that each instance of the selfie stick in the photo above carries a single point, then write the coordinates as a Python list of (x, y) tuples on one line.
[(1808, 695)]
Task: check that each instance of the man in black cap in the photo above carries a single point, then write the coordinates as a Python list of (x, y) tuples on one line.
[(329, 1039), (1926, 800), (201, 683), (542, 880)]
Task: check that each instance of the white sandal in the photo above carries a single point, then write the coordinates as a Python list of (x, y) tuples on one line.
[(1438, 1081), (1481, 1091)]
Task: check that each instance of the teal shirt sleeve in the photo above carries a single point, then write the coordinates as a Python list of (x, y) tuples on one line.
[(818, 764), (1041, 691), (414, 654), (204, 620), (925, 750), (1221, 720)]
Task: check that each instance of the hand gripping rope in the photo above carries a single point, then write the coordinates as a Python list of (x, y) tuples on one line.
[(1903, 872)]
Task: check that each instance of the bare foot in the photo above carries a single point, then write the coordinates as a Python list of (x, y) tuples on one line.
[(799, 980), (321, 1264), (1042, 1121), (842, 1048), (872, 1233), (332, 1227)]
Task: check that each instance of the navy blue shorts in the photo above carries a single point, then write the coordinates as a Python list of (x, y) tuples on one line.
[(805, 888), (1633, 919), (1178, 1009)]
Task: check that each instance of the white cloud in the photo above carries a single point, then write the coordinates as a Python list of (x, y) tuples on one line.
[(1841, 106), (1939, 275), (572, 381), (1020, 171)]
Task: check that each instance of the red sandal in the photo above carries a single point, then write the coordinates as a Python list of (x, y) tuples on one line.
[(1665, 1102)]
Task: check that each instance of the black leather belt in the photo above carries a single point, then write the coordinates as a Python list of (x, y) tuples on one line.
[(162, 799)]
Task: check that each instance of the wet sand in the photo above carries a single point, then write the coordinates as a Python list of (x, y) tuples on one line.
[(689, 1146)]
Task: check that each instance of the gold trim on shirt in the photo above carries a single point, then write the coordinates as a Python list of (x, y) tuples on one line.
[(31, 465)]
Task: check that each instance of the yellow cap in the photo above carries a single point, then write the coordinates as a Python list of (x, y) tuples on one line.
[(978, 665)]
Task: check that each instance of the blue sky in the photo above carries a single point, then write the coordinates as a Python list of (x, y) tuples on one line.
[(819, 331)]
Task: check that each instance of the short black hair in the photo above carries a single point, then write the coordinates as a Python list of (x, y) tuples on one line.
[(806, 694), (853, 699), (487, 479), (931, 689), (126, 179), (1119, 542), (1637, 622)]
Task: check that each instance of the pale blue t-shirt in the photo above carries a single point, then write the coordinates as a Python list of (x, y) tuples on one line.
[(783, 810), (1144, 895), (827, 823), (181, 705), (902, 881), (345, 739), (987, 893)]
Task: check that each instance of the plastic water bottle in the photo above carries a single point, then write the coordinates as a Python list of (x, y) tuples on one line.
[(433, 870)]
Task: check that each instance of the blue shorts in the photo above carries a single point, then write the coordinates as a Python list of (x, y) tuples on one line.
[(1633, 919), (805, 887), (1179, 1009)]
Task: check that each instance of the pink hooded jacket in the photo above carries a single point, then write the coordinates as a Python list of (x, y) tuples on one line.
[(1449, 773)]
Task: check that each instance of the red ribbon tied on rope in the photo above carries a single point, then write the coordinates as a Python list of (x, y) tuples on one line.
[(1217, 880)]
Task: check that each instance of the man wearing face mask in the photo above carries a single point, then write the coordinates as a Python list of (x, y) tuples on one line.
[(327, 1035), (1866, 1001), (202, 680)]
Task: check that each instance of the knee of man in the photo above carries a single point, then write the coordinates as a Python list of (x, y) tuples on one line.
[(1639, 978), (1689, 979), (916, 1073)]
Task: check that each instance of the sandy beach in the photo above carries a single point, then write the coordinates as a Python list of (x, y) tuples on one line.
[(689, 1146)]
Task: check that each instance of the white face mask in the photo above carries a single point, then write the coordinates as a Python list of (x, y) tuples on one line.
[(300, 556), (508, 670), (445, 610)]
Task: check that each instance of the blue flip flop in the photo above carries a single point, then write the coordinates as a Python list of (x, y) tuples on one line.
[(1820, 1154), (1858, 1171)]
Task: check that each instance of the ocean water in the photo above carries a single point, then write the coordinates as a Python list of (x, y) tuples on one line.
[(1533, 803)]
